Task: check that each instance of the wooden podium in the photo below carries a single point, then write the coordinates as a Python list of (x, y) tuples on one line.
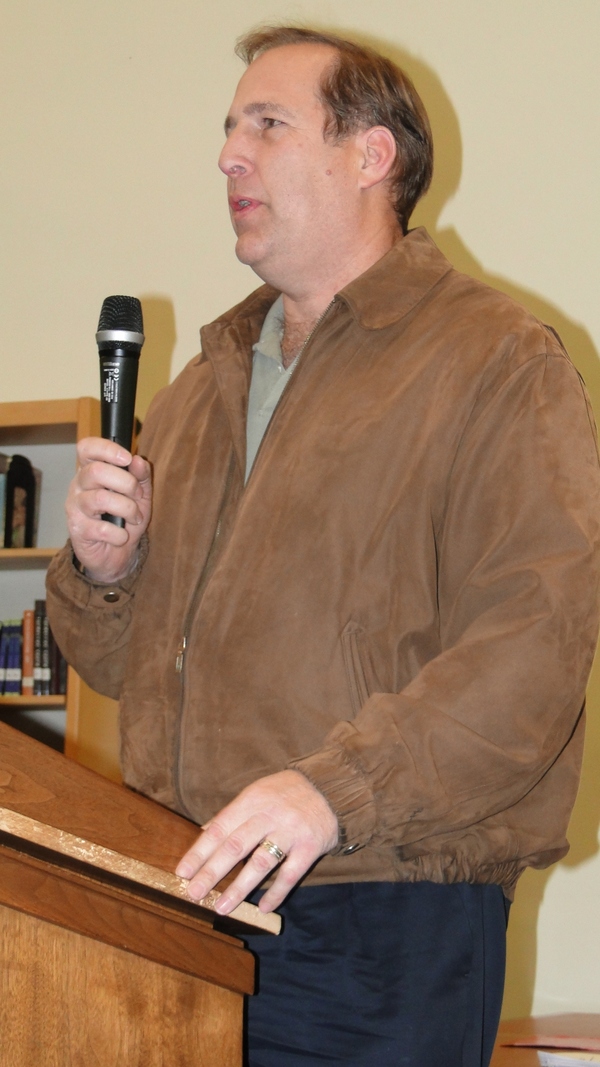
[(97, 968)]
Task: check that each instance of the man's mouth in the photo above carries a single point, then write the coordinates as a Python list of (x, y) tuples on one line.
[(240, 204)]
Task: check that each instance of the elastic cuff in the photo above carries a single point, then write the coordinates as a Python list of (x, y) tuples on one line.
[(124, 584), (347, 793)]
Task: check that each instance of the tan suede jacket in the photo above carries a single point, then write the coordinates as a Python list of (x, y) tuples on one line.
[(402, 602)]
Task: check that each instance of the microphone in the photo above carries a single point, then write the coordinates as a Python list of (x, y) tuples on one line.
[(119, 338)]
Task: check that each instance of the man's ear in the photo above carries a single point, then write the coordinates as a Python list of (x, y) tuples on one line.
[(378, 149)]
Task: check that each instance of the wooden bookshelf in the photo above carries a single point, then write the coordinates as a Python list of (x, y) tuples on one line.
[(15, 701), (91, 730), (45, 421), (24, 558)]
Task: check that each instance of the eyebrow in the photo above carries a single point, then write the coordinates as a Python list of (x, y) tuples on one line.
[(258, 108)]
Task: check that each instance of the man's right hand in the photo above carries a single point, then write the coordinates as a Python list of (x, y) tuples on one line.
[(102, 484)]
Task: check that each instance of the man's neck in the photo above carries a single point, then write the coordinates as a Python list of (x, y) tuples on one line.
[(304, 306), (295, 336)]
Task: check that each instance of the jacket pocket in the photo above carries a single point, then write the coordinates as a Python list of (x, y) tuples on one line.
[(359, 673)]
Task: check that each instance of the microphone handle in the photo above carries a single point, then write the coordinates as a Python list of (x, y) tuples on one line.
[(118, 381)]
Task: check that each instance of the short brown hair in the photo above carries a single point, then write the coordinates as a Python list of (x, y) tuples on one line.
[(361, 90)]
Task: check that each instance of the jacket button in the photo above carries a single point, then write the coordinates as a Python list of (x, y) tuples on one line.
[(112, 597), (350, 848)]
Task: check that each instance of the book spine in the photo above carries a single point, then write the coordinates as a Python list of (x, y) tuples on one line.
[(58, 669), (12, 683), (62, 676), (3, 652), (37, 498), (2, 506), (28, 652), (40, 611), (54, 666), (46, 667)]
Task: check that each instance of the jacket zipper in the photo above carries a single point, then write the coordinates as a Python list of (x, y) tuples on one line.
[(204, 574), (202, 582), (182, 648), (200, 586)]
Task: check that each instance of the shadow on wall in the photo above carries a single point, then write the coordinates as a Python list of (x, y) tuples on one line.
[(583, 832), (157, 353)]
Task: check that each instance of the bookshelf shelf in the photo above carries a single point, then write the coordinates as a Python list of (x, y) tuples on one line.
[(32, 702), (24, 558)]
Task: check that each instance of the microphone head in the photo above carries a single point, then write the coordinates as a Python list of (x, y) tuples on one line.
[(121, 313), (121, 324)]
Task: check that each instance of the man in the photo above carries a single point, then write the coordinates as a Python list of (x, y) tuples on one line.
[(353, 641)]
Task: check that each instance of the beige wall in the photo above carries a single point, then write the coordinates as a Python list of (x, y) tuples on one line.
[(113, 118)]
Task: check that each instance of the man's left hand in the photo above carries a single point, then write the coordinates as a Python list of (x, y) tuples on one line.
[(283, 809)]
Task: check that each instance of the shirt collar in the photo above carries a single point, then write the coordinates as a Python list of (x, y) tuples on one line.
[(269, 342)]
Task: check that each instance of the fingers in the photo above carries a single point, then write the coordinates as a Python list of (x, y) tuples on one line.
[(100, 487), (217, 851), (98, 448), (142, 472), (246, 841), (104, 485), (284, 809), (102, 471), (260, 865), (97, 458)]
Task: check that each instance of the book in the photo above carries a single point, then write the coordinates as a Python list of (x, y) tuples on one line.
[(4, 633), (20, 505), (31, 663), (46, 668), (4, 465), (12, 676), (28, 646), (63, 676), (37, 474), (38, 615), (58, 669)]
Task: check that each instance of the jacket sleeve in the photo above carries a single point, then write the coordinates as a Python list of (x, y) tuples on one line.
[(517, 544), (91, 622)]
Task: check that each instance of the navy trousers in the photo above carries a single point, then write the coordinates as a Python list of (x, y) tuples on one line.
[(380, 974)]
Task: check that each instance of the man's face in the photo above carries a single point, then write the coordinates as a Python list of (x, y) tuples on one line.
[(292, 194)]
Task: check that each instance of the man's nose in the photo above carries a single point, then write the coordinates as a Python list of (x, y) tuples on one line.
[(233, 161)]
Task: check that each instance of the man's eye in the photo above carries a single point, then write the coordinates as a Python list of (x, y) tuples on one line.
[(268, 123)]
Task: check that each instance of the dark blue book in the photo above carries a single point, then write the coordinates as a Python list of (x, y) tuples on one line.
[(12, 678), (38, 627), (4, 634)]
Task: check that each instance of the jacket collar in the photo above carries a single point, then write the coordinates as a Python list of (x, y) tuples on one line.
[(393, 286), (245, 320), (383, 295)]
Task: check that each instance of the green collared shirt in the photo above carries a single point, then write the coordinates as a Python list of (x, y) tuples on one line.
[(269, 379)]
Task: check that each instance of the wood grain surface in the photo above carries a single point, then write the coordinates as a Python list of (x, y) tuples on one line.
[(115, 914), (57, 803), (43, 785), (68, 1001), (143, 874)]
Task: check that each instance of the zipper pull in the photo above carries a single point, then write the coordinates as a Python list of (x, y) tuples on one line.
[(180, 655)]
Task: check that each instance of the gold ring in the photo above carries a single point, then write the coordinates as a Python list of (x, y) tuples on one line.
[(273, 849)]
